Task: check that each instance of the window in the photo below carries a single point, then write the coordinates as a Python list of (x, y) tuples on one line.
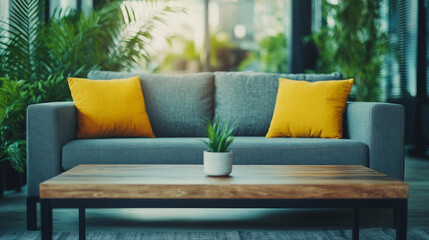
[(68, 4), (244, 35), (402, 71)]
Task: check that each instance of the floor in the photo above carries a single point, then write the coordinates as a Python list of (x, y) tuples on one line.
[(13, 214)]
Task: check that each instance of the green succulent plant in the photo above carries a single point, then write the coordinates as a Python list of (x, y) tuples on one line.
[(219, 134)]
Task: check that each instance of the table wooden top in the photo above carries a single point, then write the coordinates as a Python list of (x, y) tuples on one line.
[(246, 182)]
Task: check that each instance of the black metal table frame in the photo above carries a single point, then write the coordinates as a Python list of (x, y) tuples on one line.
[(400, 207)]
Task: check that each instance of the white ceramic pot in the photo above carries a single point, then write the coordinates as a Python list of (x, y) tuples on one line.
[(217, 163)]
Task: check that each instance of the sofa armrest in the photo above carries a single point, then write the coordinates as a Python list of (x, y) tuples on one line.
[(381, 127), (49, 127)]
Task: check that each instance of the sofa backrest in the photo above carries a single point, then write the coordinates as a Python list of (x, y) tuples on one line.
[(249, 98), (175, 103)]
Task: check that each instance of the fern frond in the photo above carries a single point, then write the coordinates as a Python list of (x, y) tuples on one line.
[(23, 43)]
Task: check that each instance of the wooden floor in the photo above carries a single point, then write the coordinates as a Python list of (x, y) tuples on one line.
[(13, 214)]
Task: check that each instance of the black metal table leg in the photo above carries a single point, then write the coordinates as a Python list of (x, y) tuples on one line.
[(31, 213), (400, 206), (355, 231), (51, 220), (401, 219), (46, 214), (395, 216), (81, 223)]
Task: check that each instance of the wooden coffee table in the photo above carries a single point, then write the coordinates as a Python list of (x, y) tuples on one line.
[(249, 186)]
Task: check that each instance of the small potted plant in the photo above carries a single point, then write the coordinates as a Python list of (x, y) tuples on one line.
[(217, 159)]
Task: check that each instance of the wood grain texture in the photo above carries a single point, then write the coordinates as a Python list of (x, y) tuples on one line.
[(245, 182)]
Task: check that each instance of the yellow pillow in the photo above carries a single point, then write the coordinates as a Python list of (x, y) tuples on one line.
[(110, 108), (310, 109)]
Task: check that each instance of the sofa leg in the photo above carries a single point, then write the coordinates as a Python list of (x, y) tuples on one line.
[(32, 213)]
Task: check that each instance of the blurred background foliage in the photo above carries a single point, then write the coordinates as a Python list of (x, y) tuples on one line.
[(37, 57), (189, 57), (352, 42), (271, 56)]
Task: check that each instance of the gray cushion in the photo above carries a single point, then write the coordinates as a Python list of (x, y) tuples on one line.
[(175, 103), (251, 97), (247, 150)]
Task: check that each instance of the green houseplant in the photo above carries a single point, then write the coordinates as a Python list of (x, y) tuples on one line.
[(355, 46), (217, 160), (37, 57), (13, 102)]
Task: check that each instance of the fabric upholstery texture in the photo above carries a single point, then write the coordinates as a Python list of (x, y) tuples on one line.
[(251, 97), (49, 127), (247, 150), (175, 104), (110, 108), (374, 132), (381, 127), (310, 109)]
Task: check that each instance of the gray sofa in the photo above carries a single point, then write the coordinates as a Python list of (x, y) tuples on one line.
[(373, 132)]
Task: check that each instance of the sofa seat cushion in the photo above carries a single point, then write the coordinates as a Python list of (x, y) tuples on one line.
[(247, 150), (175, 104), (251, 97)]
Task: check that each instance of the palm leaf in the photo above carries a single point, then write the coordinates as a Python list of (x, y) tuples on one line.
[(23, 45), (71, 44)]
